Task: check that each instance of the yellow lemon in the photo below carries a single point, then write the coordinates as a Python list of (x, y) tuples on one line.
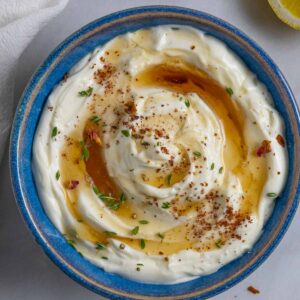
[(287, 11)]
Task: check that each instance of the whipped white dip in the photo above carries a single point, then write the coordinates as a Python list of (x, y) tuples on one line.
[(160, 155)]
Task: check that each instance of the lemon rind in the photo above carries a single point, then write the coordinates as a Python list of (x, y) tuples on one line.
[(284, 15)]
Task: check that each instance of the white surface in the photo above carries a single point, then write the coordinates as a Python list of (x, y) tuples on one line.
[(19, 23), (25, 271)]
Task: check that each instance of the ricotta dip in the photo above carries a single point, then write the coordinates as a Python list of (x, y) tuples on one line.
[(160, 155)]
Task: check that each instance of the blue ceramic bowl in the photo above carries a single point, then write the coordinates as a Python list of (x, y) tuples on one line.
[(51, 72)]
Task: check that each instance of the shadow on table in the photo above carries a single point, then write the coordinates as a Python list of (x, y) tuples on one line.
[(260, 13), (25, 271)]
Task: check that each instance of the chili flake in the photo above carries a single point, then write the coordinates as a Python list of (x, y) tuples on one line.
[(280, 140), (93, 136), (73, 184), (264, 148), (253, 290)]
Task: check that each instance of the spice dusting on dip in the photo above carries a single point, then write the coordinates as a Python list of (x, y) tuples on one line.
[(160, 155)]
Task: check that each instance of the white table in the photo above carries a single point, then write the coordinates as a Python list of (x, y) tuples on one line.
[(25, 271)]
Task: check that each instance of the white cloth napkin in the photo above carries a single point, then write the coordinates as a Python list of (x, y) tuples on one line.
[(20, 20)]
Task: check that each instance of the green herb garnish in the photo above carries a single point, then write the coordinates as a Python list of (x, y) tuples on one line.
[(123, 198), (218, 243), (110, 202), (135, 230), (168, 179), (71, 243), (161, 235), (166, 205), (110, 233), (197, 153), (144, 222), (221, 170), (54, 132), (212, 166), (143, 244), (86, 93), (187, 103), (125, 132), (100, 246), (145, 144), (114, 205), (104, 257), (95, 189), (85, 153), (57, 175), (95, 119), (272, 195), (229, 91), (139, 264)]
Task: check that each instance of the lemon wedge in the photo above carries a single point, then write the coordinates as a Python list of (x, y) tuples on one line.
[(287, 11)]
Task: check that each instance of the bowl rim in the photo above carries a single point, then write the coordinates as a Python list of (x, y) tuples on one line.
[(21, 114)]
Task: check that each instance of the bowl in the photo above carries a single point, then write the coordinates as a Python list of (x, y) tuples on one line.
[(61, 60)]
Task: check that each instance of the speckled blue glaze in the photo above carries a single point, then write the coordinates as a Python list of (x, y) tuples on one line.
[(31, 105)]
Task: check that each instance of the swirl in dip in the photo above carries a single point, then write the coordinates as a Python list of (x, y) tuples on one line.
[(159, 155)]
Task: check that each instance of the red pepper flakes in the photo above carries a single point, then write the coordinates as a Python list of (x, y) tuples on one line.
[(73, 184), (253, 290), (93, 136), (280, 140), (264, 148)]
